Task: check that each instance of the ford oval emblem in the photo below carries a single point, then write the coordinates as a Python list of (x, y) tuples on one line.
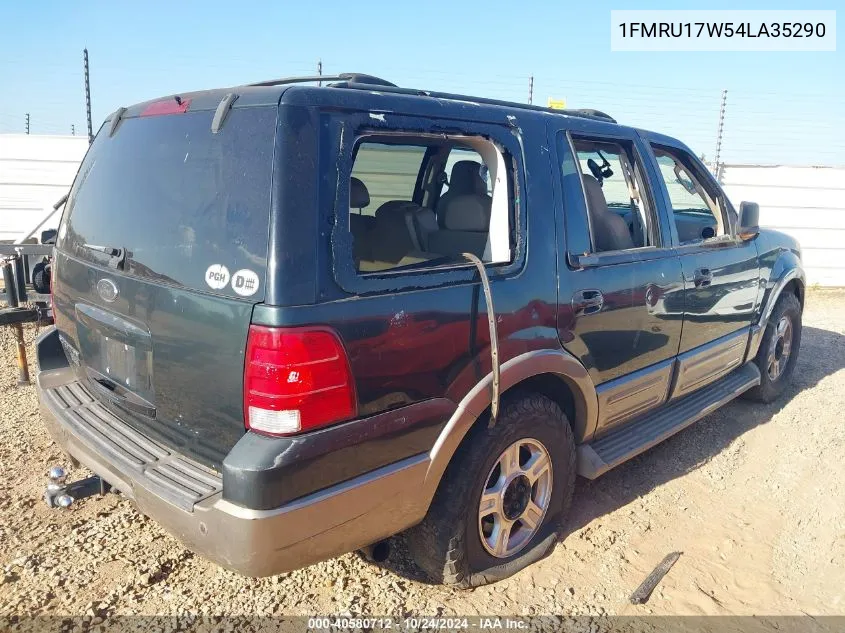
[(107, 290)]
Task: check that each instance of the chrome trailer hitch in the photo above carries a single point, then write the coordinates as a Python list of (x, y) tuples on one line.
[(60, 494)]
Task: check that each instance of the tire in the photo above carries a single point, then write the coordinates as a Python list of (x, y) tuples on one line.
[(773, 383), (448, 544), (41, 278)]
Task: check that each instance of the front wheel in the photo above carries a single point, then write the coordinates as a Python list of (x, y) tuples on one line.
[(778, 351), (503, 497)]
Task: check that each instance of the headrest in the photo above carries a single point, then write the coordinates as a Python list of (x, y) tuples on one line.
[(359, 197), (394, 208), (466, 178), (467, 213)]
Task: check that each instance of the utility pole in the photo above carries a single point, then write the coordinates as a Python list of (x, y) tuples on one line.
[(320, 70), (88, 96), (27, 122), (717, 167), (531, 89)]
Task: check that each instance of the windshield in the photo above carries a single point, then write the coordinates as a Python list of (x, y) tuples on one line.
[(164, 198)]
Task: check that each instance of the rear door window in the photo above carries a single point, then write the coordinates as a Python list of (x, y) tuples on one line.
[(406, 235), (187, 207)]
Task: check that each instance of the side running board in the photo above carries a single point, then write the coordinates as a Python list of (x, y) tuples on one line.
[(600, 455)]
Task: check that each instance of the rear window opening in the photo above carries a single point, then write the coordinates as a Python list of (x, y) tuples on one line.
[(419, 202), (166, 199)]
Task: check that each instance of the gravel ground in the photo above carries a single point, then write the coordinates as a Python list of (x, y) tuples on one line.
[(753, 495)]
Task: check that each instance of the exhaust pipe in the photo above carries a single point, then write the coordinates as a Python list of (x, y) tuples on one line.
[(377, 552)]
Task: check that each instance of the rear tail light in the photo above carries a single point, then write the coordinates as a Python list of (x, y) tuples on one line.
[(296, 379)]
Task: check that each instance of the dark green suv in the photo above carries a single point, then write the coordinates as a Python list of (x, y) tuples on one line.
[(294, 320)]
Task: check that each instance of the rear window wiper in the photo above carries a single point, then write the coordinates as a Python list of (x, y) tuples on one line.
[(117, 256)]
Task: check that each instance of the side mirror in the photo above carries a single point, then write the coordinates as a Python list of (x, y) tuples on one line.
[(49, 236), (749, 221)]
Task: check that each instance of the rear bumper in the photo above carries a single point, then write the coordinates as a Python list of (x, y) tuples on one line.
[(187, 499)]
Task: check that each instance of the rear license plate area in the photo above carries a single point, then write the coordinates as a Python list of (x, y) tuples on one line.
[(117, 349)]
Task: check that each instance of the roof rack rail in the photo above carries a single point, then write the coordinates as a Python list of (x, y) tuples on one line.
[(585, 113), (361, 81), (343, 78)]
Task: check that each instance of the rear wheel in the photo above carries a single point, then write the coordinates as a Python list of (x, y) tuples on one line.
[(778, 351), (503, 498)]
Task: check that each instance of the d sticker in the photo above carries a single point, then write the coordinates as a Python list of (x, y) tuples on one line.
[(217, 276), (245, 282)]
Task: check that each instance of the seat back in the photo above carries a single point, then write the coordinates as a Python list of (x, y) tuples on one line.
[(466, 227), (359, 225), (465, 179), (391, 238), (610, 231)]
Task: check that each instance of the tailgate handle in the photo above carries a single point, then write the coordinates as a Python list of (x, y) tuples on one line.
[(108, 389)]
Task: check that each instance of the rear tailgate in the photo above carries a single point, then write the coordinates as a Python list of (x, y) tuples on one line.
[(161, 256)]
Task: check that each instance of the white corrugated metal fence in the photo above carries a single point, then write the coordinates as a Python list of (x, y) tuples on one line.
[(805, 202), (35, 171)]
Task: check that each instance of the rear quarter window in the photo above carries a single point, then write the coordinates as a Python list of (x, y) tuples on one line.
[(179, 199)]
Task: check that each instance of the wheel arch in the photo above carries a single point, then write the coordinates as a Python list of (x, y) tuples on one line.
[(787, 276), (554, 373)]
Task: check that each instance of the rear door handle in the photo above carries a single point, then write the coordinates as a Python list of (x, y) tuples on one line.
[(585, 302), (702, 277)]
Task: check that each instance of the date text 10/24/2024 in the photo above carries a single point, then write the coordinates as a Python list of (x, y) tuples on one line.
[(421, 623)]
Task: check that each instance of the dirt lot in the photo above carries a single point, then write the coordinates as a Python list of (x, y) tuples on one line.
[(753, 495)]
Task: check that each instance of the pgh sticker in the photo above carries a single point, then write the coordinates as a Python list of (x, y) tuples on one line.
[(217, 276), (245, 282)]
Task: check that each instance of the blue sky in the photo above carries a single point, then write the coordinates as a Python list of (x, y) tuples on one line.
[(782, 107)]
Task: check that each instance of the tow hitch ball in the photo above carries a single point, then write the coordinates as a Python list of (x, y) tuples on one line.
[(60, 494)]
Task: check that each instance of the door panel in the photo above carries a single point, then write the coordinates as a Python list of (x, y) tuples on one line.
[(632, 329), (722, 300), (721, 272), (620, 312)]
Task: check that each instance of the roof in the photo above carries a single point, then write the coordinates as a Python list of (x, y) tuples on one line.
[(270, 93)]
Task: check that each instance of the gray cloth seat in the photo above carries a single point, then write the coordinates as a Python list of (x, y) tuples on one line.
[(424, 223), (466, 221), (610, 231), (465, 179), (391, 238)]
